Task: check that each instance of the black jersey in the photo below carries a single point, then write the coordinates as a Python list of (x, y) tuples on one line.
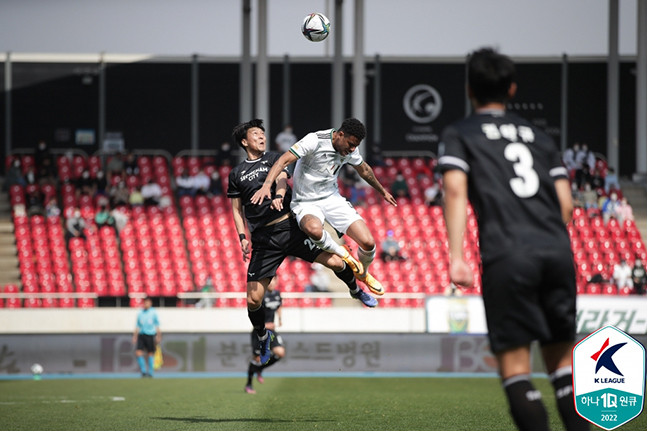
[(246, 179), (271, 301), (512, 167)]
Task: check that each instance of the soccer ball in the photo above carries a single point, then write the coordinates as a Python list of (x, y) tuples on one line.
[(316, 27), (37, 369)]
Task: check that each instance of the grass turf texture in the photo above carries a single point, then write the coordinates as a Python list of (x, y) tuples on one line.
[(280, 404)]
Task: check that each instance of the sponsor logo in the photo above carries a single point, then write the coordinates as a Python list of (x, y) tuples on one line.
[(422, 103)]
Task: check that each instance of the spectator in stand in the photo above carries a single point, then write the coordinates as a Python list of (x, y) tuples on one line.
[(121, 218), (391, 249), (351, 180), (399, 188), (130, 164), (152, 193), (284, 142), (319, 280), (115, 167), (52, 209), (434, 195), (74, 226), (46, 172), (225, 154), (104, 218), (610, 208), (215, 185), (30, 176), (622, 274), (201, 183), (611, 180), (35, 204), (624, 211), (584, 162), (597, 182), (136, 199), (569, 157), (184, 185), (100, 184), (578, 200), (376, 156), (85, 185), (120, 194), (14, 176), (42, 156), (638, 276)]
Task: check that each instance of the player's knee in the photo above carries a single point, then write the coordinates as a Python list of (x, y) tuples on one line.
[(367, 243), (279, 352), (312, 228), (253, 302)]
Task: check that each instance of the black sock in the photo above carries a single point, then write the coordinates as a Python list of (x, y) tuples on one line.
[(346, 275), (253, 368), (526, 407), (562, 380), (257, 317), (273, 360)]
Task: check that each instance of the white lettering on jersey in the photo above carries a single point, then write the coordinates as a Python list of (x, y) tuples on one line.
[(509, 131), (526, 134), (491, 131), (254, 174)]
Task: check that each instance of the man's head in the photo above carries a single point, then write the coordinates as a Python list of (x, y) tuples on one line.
[(148, 303), (250, 134), (42, 145), (349, 136), (490, 77)]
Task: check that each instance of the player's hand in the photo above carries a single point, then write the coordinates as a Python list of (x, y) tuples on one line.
[(244, 246), (158, 338), (277, 204), (270, 326), (390, 199), (134, 339), (460, 273), (262, 194)]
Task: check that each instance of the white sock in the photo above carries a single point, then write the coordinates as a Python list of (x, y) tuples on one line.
[(366, 257), (326, 243)]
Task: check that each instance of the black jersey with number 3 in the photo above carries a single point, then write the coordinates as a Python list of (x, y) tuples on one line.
[(246, 179), (511, 167)]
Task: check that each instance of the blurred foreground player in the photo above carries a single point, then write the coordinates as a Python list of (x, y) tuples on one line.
[(513, 175), (275, 233), (146, 337), (272, 303)]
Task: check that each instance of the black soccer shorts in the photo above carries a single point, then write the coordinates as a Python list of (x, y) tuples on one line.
[(272, 244), (146, 342), (256, 344), (530, 295)]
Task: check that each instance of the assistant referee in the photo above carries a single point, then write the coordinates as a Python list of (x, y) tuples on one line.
[(146, 336)]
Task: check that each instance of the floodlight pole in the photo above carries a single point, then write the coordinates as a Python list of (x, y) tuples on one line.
[(195, 108), (263, 69), (102, 101), (338, 68), (245, 113), (613, 88), (641, 90), (7, 102), (286, 91), (359, 69), (563, 142)]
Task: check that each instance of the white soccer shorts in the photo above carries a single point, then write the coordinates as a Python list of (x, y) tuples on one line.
[(334, 209)]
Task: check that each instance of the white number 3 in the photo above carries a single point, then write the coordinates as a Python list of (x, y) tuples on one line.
[(526, 184)]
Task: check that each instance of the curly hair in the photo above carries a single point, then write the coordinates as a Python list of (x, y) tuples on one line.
[(353, 127), (240, 132)]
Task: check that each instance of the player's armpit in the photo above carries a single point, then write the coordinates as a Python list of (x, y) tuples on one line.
[(563, 188)]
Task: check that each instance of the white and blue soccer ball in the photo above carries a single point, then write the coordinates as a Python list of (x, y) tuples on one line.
[(316, 27), (37, 369)]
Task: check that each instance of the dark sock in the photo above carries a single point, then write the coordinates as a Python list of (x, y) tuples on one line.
[(273, 360), (257, 317), (346, 275), (525, 403), (562, 380), (253, 368)]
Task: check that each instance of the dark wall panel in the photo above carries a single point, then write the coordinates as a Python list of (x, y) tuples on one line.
[(627, 132), (219, 103), (587, 108)]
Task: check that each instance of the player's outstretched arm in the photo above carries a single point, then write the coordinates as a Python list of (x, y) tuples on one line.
[(455, 185), (366, 172), (563, 188), (266, 191), (239, 221)]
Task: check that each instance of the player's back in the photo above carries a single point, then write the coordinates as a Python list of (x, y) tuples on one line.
[(511, 167)]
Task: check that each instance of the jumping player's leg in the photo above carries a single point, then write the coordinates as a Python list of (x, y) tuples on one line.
[(255, 310), (345, 274), (364, 239)]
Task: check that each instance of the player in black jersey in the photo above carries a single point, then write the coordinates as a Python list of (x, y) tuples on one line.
[(275, 233), (272, 303), (514, 178)]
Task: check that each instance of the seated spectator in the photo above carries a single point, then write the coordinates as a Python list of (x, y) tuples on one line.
[(611, 180), (42, 156), (85, 185), (120, 217), (74, 226), (130, 164), (584, 162), (136, 198), (624, 211), (609, 208), (35, 204), (30, 176), (215, 185), (184, 185), (100, 184), (589, 197), (351, 180), (578, 200), (47, 172), (319, 280), (14, 176), (434, 195), (104, 218), (390, 248), (399, 188), (622, 273), (115, 166), (597, 182), (152, 193), (52, 209), (639, 276), (201, 183), (120, 194), (569, 157)]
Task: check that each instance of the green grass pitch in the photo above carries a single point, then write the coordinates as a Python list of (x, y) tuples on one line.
[(280, 404)]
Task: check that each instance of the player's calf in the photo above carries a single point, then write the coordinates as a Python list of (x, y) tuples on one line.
[(562, 380), (525, 403)]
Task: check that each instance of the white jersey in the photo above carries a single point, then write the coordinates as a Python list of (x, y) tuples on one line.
[(316, 171)]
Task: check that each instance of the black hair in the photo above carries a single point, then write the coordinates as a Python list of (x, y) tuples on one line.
[(353, 127), (490, 75), (240, 131)]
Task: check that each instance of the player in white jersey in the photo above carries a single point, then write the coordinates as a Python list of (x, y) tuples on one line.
[(319, 157)]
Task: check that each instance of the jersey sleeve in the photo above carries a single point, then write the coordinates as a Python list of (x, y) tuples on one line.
[(356, 158), (232, 188), (451, 152), (557, 169), (306, 145)]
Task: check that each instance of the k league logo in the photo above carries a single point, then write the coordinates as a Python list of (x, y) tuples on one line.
[(609, 378), (422, 103)]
